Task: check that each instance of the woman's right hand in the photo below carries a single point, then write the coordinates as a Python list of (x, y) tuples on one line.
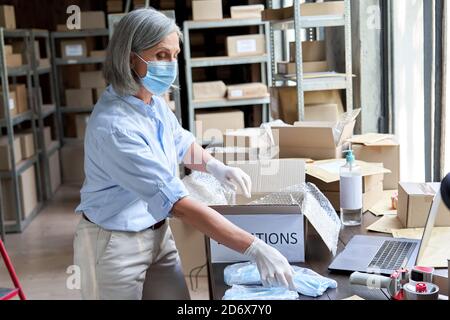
[(273, 267)]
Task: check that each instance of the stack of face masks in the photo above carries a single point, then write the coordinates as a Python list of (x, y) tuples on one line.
[(238, 292), (307, 282)]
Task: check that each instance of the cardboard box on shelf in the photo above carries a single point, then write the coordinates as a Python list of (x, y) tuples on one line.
[(322, 112), (374, 147), (28, 194), (290, 68), (98, 93), (210, 126), (93, 20), (92, 79), (12, 105), (313, 140), (72, 164), (248, 45), (79, 98), (20, 48), (76, 48), (27, 144), (81, 121), (312, 51), (47, 137), (325, 175), (21, 96), (5, 156), (114, 6), (191, 246), (7, 17), (61, 28), (247, 91), (247, 11), (414, 203), (306, 9), (8, 49), (324, 97), (14, 60), (97, 53), (211, 90), (55, 171), (207, 10)]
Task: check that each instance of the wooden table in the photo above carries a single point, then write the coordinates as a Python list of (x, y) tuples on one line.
[(318, 259)]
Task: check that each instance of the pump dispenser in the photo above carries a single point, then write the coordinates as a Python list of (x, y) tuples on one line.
[(351, 191)]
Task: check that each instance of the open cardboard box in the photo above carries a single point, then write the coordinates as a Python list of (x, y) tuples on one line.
[(313, 140), (325, 175)]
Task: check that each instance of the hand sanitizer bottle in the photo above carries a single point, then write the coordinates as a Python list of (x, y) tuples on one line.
[(351, 192)]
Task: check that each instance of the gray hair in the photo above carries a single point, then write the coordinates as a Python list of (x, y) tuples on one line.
[(137, 31)]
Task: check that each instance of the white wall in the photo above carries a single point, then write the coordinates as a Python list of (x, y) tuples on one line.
[(408, 81)]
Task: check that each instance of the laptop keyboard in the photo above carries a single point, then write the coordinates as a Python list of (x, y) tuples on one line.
[(392, 255)]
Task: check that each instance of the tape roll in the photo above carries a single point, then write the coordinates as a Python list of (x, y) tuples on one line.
[(432, 292)]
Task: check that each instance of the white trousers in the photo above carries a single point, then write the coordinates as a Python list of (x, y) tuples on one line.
[(128, 266)]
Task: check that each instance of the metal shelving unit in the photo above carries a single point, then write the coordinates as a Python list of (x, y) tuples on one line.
[(263, 60), (44, 111), (8, 75), (61, 63), (298, 23)]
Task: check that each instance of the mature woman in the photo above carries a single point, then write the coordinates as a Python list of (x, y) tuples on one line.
[(133, 145)]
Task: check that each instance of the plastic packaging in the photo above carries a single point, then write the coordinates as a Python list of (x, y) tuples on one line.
[(238, 292), (307, 282), (351, 192), (207, 189)]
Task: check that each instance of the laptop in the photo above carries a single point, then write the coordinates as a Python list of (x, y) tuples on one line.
[(382, 255)]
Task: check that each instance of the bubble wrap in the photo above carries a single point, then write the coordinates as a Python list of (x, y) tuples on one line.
[(259, 293), (316, 208), (208, 190)]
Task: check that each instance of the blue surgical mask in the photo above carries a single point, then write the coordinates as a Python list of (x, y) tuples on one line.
[(160, 76)]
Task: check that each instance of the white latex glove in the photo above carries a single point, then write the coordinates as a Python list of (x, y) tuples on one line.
[(231, 177), (273, 267)]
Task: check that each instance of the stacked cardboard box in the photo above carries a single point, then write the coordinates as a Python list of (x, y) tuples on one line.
[(325, 175), (247, 45), (207, 10), (247, 11), (91, 86), (374, 147), (7, 17), (12, 105), (319, 105), (114, 6), (210, 126), (5, 155), (28, 194)]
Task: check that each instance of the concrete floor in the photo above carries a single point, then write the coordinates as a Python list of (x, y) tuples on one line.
[(43, 252)]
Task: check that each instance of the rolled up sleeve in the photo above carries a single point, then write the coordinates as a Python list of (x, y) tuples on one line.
[(131, 164)]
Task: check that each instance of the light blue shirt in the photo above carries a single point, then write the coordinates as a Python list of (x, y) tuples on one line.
[(132, 151)]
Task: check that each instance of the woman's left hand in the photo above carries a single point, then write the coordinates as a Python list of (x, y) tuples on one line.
[(231, 177)]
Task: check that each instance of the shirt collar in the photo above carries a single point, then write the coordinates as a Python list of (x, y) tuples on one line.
[(148, 109)]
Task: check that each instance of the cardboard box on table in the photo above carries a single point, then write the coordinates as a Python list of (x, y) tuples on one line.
[(414, 203), (325, 175), (211, 90), (312, 140), (210, 126), (246, 45), (247, 11), (5, 155), (207, 10), (28, 195), (374, 147), (280, 225)]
